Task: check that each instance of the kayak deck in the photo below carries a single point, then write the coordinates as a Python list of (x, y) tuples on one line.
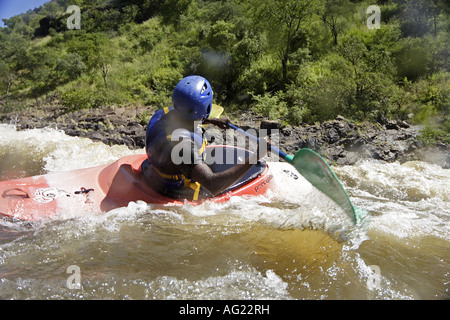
[(103, 188)]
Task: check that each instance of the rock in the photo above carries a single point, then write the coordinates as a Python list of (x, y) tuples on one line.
[(74, 132), (117, 120), (270, 125), (286, 132), (352, 158), (342, 127), (340, 141), (404, 135), (357, 144), (403, 124), (392, 125), (139, 141), (96, 136), (313, 143), (333, 135), (441, 146), (337, 152), (349, 159), (418, 143)]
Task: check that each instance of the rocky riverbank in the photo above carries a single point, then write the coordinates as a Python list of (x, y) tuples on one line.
[(341, 142)]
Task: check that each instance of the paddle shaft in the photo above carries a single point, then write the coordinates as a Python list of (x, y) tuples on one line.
[(282, 154)]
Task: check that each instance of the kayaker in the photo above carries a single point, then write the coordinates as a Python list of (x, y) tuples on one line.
[(175, 145)]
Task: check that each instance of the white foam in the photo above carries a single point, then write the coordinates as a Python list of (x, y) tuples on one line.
[(59, 151), (407, 200), (244, 283)]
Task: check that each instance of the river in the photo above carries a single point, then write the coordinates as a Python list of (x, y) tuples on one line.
[(291, 243)]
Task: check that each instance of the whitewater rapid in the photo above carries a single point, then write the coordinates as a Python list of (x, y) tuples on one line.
[(292, 243)]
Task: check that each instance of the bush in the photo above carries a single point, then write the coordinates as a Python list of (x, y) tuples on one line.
[(414, 59), (78, 99), (326, 87), (149, 45), (262, 76), (11, 106), (87, 98), (159, 99), (69, 67), (281, 106), (430, 97), (432, 135)]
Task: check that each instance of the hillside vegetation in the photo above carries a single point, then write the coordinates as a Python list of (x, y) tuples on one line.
[(296, 61)]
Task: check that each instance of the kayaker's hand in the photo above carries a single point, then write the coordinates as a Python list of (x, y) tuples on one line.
[(218, 122)]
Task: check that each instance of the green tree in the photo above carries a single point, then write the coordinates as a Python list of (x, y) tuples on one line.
[(171, 10), (373, 71), (325, 87), (222, 36), (7, 77), (95, 49), (69, 67), (283, 20), (336, 16), (419, 17)]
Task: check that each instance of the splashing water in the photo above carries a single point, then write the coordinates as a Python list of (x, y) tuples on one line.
[(292, 243)]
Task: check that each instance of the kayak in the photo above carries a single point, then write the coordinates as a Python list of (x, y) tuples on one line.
[(103, 188)]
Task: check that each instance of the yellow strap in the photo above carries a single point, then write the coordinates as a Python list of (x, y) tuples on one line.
[(196, 187), (168, 176), (187, 182), (202, 149)]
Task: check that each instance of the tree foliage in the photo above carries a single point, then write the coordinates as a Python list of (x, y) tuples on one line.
[(292, 60)]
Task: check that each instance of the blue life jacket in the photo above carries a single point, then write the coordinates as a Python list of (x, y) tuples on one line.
[(159, 144)]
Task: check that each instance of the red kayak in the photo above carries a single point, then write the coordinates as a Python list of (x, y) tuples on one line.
[(103, 188)]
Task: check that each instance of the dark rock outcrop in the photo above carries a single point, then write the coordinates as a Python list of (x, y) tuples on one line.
[(341, 142)]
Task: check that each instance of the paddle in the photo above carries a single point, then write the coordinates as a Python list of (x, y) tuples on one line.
[(317, 171), (216, 111)]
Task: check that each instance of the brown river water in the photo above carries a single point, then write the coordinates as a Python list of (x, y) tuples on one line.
[(292, 243)]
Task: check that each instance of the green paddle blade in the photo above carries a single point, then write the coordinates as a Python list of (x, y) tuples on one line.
[(317, 171)]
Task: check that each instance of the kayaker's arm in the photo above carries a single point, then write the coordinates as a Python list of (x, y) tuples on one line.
[(216, 182)]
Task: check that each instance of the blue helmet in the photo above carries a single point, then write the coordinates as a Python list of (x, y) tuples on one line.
[(192, 97)]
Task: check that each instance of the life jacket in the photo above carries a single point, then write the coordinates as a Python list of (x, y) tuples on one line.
[(159, 143)]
